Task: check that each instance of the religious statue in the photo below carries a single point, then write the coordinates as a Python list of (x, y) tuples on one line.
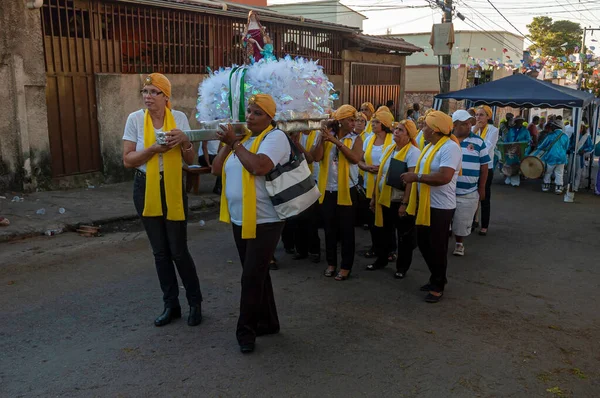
[(256, 40)]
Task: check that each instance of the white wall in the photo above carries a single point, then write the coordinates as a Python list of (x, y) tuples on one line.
[(331, 11)]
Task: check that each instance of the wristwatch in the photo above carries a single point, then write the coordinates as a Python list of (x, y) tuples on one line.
[(419, 177)]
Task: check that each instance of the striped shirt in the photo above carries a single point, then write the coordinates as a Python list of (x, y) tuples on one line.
[(474, 155)]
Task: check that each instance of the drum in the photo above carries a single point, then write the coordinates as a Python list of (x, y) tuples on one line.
[(532, 167)]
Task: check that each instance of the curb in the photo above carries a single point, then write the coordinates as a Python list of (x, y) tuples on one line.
[(205, 203)]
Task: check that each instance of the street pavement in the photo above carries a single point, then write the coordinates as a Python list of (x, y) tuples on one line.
[(519, 317)]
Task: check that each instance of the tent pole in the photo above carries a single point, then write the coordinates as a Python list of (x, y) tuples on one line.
[(571, 173), (594, 126)]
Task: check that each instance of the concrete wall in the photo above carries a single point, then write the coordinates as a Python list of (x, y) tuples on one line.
[(330, 11), (24, 144)]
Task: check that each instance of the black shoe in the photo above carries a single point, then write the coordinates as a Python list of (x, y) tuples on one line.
[(299, 256), (374, 267), (432, 298), (273, 265), (399, 275), (167, 316), (247, 348), (426, 287), (195, 316)]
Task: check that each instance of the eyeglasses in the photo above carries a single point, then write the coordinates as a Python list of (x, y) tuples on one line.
[(151, 93)]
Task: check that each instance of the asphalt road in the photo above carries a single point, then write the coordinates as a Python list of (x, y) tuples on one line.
[(519, 319)]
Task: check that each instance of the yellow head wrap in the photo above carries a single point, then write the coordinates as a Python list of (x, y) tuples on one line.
[(264, 102), (411, 128), (362, 115), (161, 82), (383, 108), (386, 118), (344, 112), (428, 111), (441, 123), (370, 106), (421, 119), (487, 110)]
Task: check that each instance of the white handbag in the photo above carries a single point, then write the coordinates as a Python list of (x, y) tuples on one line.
[(291, 186)]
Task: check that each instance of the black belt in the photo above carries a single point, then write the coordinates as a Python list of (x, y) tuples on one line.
[(141, 174)]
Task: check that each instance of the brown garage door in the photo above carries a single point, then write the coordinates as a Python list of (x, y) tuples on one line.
[(376, 84)]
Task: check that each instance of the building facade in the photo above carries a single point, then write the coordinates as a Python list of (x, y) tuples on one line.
[(477, 57), (327, 11), (74, 68)]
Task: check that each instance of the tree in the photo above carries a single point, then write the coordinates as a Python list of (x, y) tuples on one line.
[(554, 38)]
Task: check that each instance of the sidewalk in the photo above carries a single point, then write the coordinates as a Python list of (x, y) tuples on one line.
[(90, 206)]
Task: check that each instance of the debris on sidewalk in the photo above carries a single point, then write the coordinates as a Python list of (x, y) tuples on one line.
[(88, 230)]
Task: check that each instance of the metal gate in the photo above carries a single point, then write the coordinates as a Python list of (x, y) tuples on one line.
[(70, 34), (376, 84)]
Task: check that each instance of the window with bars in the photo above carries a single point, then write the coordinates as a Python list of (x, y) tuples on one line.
[(128, 38)]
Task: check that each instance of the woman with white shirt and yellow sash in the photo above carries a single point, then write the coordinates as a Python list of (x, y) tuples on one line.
[(372, 151), (339, 152), (245, 203), (389, 203), (433, 198), (158, 194)]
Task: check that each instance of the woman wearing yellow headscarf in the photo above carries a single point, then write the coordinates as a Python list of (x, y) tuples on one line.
[(373, 151), (368, 110), (489, 133), (434, 199), (158, 193), (243, 163), (420, 139), (339, 152), (390, 204), (361, 125)]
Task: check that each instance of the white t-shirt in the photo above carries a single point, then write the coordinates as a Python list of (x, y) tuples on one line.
[(134, 131), (277, 147), (449, 155), (376, 154), (411, 161), (491, 139), (332, 177), (303, 142), (211, 146)]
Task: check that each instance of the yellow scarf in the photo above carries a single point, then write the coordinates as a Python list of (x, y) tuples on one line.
[(309, 144), (384, 197), (343, 198), (483, 133), (369, 161), (248, 192), (422, 141), (369, 128), (424, 195), (172, 173)]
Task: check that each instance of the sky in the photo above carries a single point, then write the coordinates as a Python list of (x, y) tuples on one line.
[(400, 17)]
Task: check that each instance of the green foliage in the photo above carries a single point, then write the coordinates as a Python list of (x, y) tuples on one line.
[(549, 36)]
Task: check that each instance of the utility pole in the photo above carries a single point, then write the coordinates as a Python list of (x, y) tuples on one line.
[(446, 60), (581, 58)]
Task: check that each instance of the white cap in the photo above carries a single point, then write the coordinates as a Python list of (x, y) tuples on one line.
[(461, 116)]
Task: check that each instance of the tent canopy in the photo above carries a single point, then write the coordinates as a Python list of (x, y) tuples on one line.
[(522, 91)]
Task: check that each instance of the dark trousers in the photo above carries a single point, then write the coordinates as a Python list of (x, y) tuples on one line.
[(339, 221), (306, 233), (486, 205), (169, 245), (288, 233), (202, 162), (258, 312), (398, 228), (433, 245)]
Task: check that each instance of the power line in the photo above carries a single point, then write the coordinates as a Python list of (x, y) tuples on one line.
[(506, 19)]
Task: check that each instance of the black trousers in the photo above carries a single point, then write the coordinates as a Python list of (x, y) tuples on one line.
[(288, 233), (433, 245), (202, 162), (486, 205), (306, 232), (258, 313), (400, 229), (339, 221), (169, 245)]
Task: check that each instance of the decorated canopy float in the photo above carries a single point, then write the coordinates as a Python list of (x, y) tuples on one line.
[(301, 90), (521, 91)]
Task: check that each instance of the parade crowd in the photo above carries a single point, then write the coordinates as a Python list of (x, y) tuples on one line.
[(413, 183)]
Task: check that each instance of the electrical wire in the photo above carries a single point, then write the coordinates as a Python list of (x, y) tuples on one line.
[(506, 19)]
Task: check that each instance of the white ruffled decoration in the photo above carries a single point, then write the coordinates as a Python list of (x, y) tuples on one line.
[(299, 87)]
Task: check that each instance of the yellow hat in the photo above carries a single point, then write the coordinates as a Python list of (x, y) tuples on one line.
[(487, 110), (428, 111), (439, 122), (384, 108), (161, 82), (344, 112), (370, 106), (264, 102), (421, 119), (386, 118), (362, 115), (410, 127)]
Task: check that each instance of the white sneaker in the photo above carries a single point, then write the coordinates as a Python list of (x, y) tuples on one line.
[(459, 250), (507, 181)]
